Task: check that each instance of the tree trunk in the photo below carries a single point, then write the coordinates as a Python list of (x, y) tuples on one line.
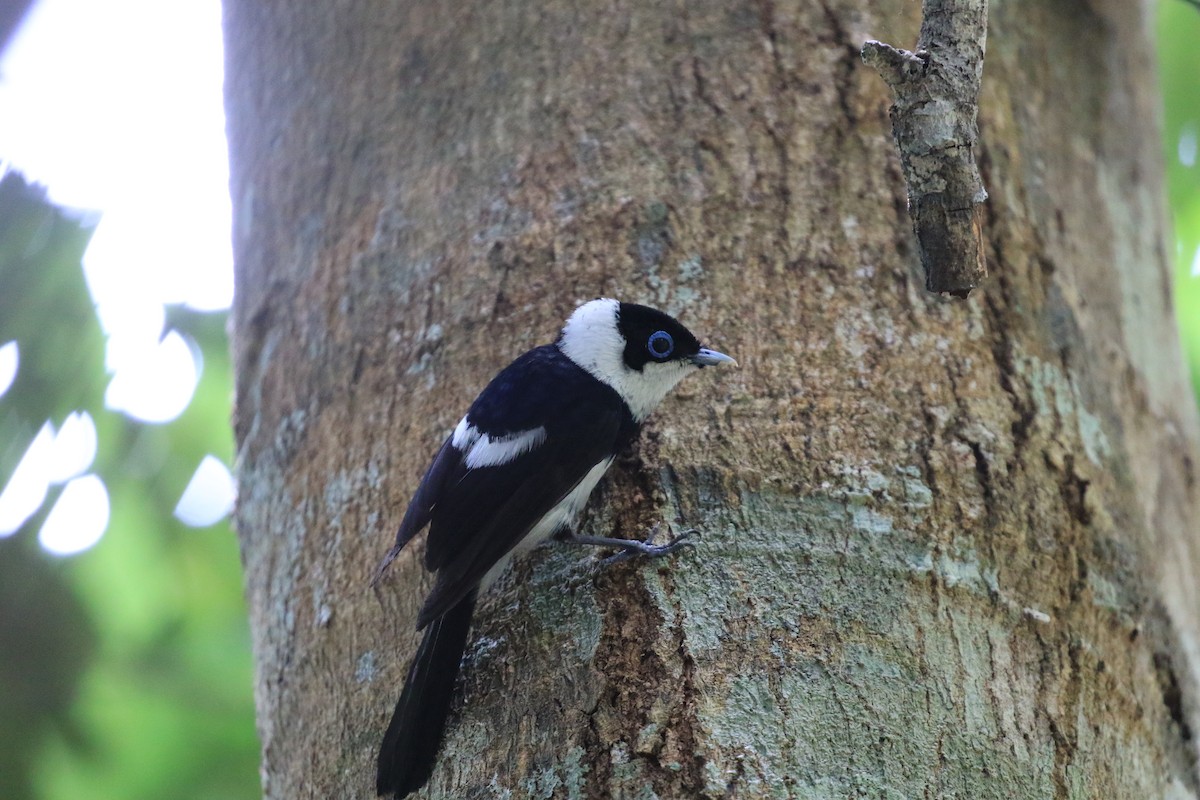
[(948, 547)]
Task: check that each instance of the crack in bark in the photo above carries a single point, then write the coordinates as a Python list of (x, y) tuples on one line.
[(633, 668), (1066, 736), (1174, 701), (692, 774), (766, 20), (1007, 375), (702, 87), (844, 78), (983, 472), (1172, 694)]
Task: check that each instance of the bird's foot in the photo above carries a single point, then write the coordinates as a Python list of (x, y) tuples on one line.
[(632, 548), (647, 547)]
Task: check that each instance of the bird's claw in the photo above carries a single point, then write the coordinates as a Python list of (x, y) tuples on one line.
[(647, 547)]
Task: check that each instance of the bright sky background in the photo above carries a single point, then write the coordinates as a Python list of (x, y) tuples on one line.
[(116, 107)]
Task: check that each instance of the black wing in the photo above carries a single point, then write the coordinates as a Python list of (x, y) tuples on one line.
[(420, 508), (489, 510)]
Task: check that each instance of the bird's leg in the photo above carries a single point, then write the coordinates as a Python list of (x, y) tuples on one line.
[(631, 548)]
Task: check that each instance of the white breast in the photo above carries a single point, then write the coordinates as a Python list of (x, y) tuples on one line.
[(562, 515)]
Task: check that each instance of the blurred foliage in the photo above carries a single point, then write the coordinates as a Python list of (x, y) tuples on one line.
[(62, 365), (1179, 74), (48, 641), (126, 671), (130, 674)]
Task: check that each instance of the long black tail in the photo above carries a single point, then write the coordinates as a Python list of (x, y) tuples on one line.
[(410, 746)]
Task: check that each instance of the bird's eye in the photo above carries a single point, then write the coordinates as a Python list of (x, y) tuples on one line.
[(660, 344)]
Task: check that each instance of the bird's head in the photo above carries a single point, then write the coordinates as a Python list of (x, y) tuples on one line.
[(638, 351)]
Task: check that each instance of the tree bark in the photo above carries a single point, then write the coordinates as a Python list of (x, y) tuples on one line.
[(948, 547)]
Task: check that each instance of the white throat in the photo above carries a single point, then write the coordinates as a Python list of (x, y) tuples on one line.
[(592, 340)]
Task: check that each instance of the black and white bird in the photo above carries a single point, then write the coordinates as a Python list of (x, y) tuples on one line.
[(518, 469)]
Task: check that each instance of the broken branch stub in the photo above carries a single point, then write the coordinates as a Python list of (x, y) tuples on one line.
[(935, 93)]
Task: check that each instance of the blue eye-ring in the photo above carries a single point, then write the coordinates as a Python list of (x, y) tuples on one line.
[(660, 344)]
